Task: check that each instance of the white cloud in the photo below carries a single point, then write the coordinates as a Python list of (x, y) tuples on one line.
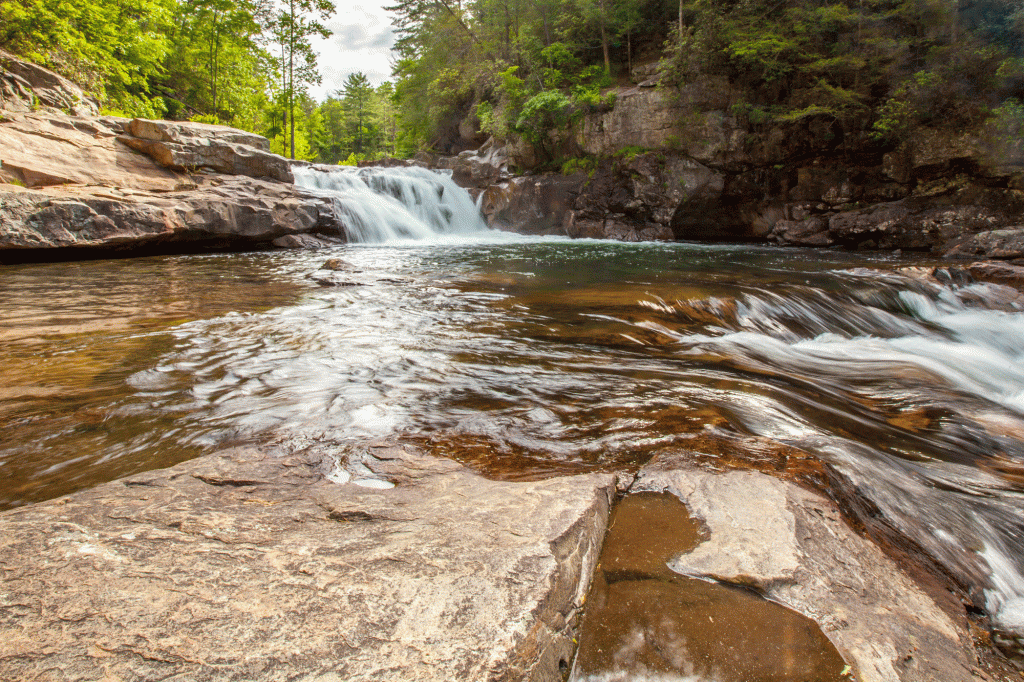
[(361, 40)]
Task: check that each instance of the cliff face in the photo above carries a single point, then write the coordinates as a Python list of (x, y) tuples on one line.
[(675, 163)]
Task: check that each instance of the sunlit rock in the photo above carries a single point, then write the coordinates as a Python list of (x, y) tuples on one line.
[(244, 565)]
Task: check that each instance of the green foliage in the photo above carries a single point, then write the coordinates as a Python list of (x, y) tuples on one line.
[(584, 164), (206, 118), (113, 48), (502, 53), (881, 67), (629, 154), (542, 114), (1006, 124)]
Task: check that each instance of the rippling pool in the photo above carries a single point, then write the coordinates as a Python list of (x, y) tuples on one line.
[(527, 358)]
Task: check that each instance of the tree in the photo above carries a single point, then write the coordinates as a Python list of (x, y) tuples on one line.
[(292, 30), (389, 121), (217, 63), (112, 48), (357, 97)]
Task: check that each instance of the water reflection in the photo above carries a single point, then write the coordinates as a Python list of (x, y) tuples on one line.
[(644, 622), (73, 338)]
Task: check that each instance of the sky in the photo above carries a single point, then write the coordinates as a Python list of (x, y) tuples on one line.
[(361, 40)]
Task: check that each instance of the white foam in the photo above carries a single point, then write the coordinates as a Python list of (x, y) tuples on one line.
[(381, 205)]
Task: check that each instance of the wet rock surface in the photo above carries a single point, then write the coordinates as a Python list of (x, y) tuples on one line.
[(794, 547), (644, 621), (254, 565)]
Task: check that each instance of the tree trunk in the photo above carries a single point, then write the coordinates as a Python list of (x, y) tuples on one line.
[(604, 46), (215, 63), (629, 52), (604, 43), (291, 70)]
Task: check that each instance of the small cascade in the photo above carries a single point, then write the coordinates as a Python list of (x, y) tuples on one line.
[(381, 205)]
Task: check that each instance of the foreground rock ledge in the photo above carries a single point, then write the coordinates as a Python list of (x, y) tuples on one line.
[(792, 546), (243, 565)]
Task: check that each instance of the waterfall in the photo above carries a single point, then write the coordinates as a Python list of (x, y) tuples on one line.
[(389, 204)]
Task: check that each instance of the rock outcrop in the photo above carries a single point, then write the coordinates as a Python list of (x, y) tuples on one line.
[(218, 212), (45, 150), (253, 565), (686, 158), (193, 146), (793, 547), (25, 86), (74, 185)]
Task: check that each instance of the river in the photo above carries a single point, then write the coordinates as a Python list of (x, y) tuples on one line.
[(529, 357)]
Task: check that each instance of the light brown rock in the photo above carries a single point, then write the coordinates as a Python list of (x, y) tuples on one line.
[(244, 565), (794, 547), (40, 150), (25, 86), (1000, 273), (188, 147)]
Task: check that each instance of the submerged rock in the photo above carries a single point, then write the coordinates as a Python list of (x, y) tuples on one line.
[(793, 546), (1000, 273), (243, 565)]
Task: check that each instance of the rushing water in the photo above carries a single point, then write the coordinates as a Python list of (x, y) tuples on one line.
[(528, 358)]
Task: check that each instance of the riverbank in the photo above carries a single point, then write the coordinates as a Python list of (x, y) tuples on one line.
[(258, 564)]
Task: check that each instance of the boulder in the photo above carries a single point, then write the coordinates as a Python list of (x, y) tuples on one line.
[(535, 204), (25, 87), (481, 168), (912, 224), (184, 131), (794, 547), (225, 211), (616, 227), (250, 564), (999, 273), (1007, 243), (811, 231), (188, 147)]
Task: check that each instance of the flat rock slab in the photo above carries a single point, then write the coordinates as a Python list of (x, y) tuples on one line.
[(243, 565), (793, 546), (41, 150)]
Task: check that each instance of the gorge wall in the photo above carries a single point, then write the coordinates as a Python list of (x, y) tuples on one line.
[(676, 163), (660, 163)]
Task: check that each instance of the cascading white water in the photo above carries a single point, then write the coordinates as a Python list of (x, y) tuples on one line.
[(381, 205)]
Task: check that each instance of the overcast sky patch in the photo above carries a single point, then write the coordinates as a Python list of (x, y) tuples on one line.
[(361, 41)]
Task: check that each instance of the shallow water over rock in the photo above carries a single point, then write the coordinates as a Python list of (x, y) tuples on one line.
[(645, 622), (531, 358)]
